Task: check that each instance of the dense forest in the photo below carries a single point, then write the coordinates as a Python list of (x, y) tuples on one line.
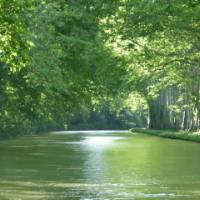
[(100, 64)]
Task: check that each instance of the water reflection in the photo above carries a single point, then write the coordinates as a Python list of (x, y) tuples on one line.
[(91, 132), (94, 142), (100, 141), (98, 166)]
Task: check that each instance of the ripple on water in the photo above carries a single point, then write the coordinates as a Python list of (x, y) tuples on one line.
[(84, 167)]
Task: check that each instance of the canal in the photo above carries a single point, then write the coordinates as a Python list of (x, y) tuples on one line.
[(98, 165)]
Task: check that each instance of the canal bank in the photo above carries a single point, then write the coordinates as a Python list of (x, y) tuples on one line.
[(178, 135)]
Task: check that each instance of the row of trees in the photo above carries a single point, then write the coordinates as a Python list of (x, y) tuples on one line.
[(62, 58), (161, 44), (54, 63)]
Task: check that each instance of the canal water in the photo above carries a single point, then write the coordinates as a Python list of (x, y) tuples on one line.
[(98, 165)]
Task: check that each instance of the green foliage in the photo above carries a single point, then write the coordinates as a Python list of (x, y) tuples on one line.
[(161, 40), (53, 62), (60, 60)]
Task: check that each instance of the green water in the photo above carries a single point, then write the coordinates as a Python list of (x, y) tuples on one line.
[(98, 166)]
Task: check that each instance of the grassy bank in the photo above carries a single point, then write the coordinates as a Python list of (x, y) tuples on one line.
[(181, 135)]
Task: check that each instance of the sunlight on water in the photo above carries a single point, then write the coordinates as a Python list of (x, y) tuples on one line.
[(98, 165), (94, 142), (91, 132), (100, 141)]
